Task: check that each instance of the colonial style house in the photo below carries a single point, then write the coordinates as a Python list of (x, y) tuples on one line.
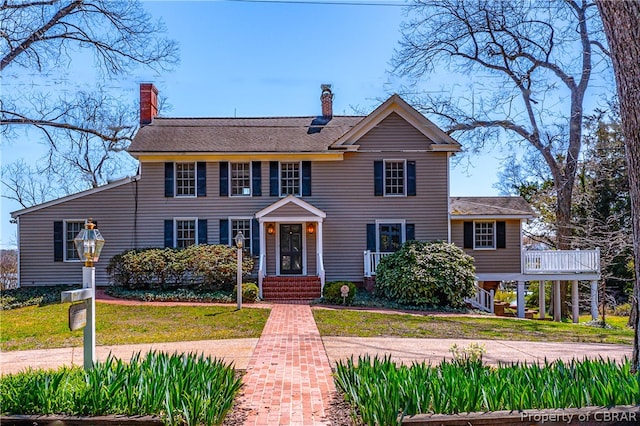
[(310, 194)]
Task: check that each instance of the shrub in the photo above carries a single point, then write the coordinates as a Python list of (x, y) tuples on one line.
[(623, 310), (426, 274), (332, 292), (250, 292), (209, 267)]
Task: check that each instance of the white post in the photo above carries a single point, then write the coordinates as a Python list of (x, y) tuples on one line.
[(520, 299), (594, 300), (89, 281), (239, 279), (557, 316), (575, 308), (263, 252), (542, 302)]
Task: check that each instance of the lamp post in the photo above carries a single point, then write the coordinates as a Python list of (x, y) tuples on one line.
[(239, 239), (89, 243)]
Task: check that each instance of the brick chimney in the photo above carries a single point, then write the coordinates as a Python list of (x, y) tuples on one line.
[(148, 103), (326, 99)]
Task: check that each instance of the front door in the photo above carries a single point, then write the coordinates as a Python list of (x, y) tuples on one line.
[(291, 249)]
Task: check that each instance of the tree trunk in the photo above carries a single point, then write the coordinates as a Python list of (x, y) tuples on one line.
[(622, 26)]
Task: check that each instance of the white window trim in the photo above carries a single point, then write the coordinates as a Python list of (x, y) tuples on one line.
[(175, 229), (299, 194), (384, 177), (175, 179), (494, 235), (232, 235), (403, 229), (231, 181), (64, 240)]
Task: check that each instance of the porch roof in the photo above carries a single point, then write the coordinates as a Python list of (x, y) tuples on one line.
[(279, 211)]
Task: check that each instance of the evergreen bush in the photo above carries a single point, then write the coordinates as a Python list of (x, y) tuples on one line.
[(332, 292), (426, 274), (208, 267), (250, 292)]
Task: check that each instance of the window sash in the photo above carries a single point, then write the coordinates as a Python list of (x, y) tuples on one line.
[(395, 182), (185, 177), (484, 235), (186, 233), (240, 179), (243, 225), (290, 177), (390, 236), (72, 228)]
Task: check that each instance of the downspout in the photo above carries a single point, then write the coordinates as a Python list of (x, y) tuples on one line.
[(18, 238), (448, 197)]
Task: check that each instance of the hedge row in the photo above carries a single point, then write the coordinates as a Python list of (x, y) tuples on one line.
[(208, 267)]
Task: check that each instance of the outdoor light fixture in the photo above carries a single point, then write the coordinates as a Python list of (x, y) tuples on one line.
[(239, 239), (271, 229), (89, 243), (311, 228)]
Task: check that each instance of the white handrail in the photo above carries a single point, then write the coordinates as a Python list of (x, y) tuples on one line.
[(262, 272), (482, 299), (321, 271), (560, 261), (371, 261)]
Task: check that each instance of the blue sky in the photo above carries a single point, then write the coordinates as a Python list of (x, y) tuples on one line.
[(241, 58)]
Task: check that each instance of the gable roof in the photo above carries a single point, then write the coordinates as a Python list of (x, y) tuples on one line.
[(440, 141), (61, 200), (277, 134), (502, 207), (221, 135), (290, 199)]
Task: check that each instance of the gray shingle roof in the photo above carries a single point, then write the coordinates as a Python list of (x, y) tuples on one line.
[(279, 134), (490, 206)]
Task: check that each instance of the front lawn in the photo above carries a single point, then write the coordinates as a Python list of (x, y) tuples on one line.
[(344, 322), (46, 327)]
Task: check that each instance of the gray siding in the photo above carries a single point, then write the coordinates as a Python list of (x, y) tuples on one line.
[(506, 260), (113, 209)]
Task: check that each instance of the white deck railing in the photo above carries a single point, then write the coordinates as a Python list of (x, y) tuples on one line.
[(560, 261), (371, 261), (482, 300)]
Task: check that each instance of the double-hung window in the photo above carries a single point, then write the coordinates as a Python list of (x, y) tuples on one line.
[(244, 226), (185, 179), (484, 235), (290, 179), (394, 177), (240, 179), (185, 232), (72, 228)]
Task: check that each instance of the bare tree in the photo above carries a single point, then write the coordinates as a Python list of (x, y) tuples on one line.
[(622, 26), (541, 53), (39, 41)]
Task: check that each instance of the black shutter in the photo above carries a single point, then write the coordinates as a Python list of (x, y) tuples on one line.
[(410, 231), (411, 178), (371, 236), (224, 179), (224, 232), (201, 183), (58, 241), (378, 177), (255, 237), (168, 179), (501, 234), (274, 189), (306, 178), (256, 178), (468, 235), (202, 231), (168, 233)]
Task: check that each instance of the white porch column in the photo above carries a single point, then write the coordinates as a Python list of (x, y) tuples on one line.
[(575, 308), (594, 300), (263, 255), (520, 299), (542, 302), (320, 256), (557, 316)]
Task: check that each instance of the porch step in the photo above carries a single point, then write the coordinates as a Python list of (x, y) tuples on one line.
[(291, 289)]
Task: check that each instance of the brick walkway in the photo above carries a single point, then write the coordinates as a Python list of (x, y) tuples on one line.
[(288, 380)]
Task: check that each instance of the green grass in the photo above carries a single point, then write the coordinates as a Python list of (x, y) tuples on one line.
[(381, 390), (46, 327), (371, 324), (182, 389)]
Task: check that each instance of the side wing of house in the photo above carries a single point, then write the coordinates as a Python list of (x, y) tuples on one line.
[(47, 255)]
